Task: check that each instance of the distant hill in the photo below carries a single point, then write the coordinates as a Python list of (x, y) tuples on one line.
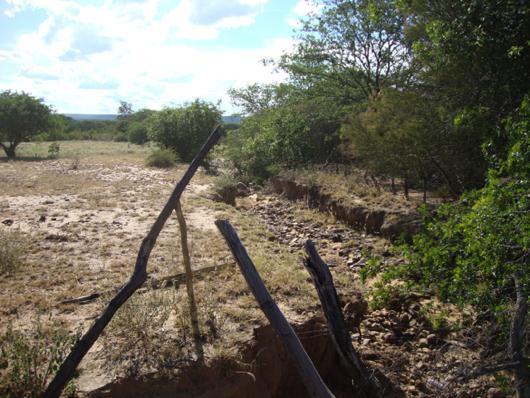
[(107, 117), (81, 116)]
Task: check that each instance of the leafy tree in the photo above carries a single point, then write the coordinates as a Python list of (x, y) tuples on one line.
[(350, 49), (185, 128), (477, 251), (289, 129), (125, 110), (474, 60), (21, 118)]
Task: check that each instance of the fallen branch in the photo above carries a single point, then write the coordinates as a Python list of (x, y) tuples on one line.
[(367, 385), (153, 284), (137, 279), (313, 382)]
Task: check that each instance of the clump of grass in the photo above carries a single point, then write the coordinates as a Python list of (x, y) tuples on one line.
[(140, 329), (13, 245), (29, 358), (163, 158)]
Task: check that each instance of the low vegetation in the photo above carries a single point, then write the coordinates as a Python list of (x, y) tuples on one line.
[(13, 247), (28, 358), (162, 158)]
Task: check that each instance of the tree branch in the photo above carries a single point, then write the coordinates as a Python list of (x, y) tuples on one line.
[(137, 279)]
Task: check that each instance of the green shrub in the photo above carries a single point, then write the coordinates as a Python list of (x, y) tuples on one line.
[(12, 247), (53, 150), (29, 358), (137, 133), (163, 158), (184, 129)]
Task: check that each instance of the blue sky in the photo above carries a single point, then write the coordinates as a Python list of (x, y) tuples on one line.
[(84, 56)]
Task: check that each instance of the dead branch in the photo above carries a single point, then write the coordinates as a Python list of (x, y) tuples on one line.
[(313, 382), (367, 385), (189, 283), (172, 280), (137, 279)]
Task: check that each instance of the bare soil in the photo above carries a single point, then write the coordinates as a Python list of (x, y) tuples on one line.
[(84, 217)]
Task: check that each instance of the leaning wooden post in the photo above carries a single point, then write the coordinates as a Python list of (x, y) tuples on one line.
[(189, 283), (313, 382), (367, 386), (137, 279)]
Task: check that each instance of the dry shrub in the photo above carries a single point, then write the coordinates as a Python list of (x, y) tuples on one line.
[(13, 245)]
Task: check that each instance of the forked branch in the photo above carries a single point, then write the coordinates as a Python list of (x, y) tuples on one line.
[(137, 279)]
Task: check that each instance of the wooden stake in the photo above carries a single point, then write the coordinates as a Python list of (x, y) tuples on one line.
[(314, 384), (137, 279), (189, 283), (367, 386)]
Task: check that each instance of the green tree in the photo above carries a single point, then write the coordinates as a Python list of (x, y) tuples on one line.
[(125, 111), (477, 251), (184, 129), (21, 118), (350, 50), (474, 60)]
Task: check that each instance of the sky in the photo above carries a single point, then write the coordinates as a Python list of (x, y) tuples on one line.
[(84, 56)]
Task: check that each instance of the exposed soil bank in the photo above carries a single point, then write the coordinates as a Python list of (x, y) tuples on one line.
[(389, 224), (265, 371)]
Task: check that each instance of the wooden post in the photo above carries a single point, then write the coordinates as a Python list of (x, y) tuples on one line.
[(137, 279), (189, 283), (367, 386), (314, 384)]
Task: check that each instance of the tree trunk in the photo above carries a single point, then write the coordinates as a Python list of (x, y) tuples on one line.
[(406, 187), (517, 340), (9, 150), (393, 181), (424, 189)]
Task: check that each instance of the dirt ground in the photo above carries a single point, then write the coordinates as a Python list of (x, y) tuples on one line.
[(83, 217)]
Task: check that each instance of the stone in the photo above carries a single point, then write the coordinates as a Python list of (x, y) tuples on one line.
[(423, 342)]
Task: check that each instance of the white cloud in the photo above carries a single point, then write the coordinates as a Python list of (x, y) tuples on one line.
[(301, 10), (128, 50)]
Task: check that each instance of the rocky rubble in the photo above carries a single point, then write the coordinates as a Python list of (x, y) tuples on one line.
[(398, 340), (389, 224)]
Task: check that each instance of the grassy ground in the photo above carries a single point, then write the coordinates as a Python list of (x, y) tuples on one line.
[(83, 217)]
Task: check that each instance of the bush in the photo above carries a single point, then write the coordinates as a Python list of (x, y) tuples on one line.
[(53, 150), (184, 129), (29, 358), (137, 133), (163, 158), (12, 247)]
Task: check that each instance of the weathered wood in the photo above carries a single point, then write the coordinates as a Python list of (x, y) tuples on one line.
[(137, 279), (189, 283), (517, 339), (365, 384), (171, 280), (313, 382)]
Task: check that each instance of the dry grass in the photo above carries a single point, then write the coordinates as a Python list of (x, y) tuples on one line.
[(85, 226), (352, 187)]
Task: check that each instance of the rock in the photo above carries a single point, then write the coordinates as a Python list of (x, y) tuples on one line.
[(374, 221), (242, 189), (432, 339), (423, 342), (226, 194), (494, 392)]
